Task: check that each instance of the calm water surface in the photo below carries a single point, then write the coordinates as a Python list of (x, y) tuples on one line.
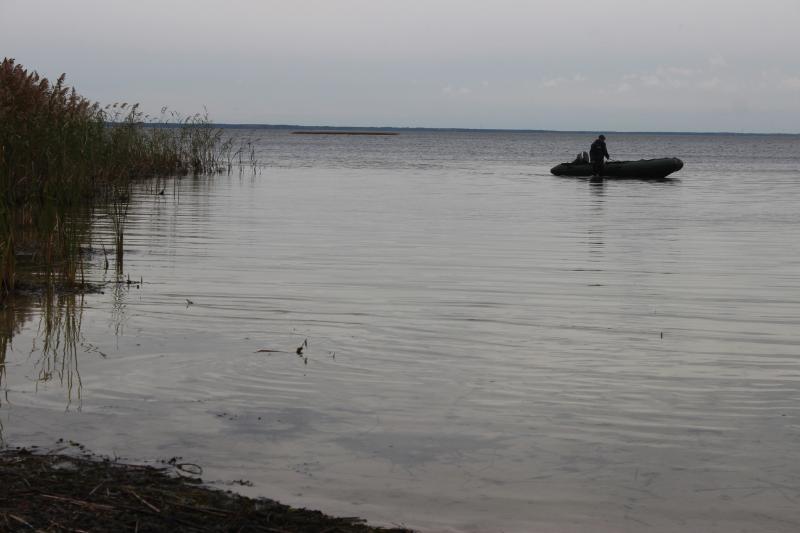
[(490, 348)]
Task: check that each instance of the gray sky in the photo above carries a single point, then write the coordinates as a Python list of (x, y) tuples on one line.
[(655, 65)]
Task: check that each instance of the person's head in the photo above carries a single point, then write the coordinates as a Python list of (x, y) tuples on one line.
[(602, 137)]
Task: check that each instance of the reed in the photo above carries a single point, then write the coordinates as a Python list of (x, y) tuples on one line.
[(118, 212), (63, 159), (61, 154)]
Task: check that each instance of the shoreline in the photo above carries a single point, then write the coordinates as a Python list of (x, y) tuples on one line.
[(52, 491)]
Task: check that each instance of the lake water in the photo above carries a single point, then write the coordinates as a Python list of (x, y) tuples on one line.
[(489, 347)]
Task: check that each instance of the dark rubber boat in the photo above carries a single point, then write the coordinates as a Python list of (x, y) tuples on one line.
[(644, 169)]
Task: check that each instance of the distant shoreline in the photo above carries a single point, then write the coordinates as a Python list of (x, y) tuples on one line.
[(365, 130), (338, 132)]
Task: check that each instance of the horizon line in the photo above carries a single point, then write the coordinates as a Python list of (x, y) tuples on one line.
[(457, 129)]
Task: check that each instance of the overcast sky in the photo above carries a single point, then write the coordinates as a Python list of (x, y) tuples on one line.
[(635, 65)]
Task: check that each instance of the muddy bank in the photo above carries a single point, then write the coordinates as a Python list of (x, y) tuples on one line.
[(55, 493)]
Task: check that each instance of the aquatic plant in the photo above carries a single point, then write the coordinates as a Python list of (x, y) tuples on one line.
[(61, 154), (63, 159), (118, 212)]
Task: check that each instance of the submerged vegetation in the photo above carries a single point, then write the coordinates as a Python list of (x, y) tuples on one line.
[(63, 156), (66, 162)]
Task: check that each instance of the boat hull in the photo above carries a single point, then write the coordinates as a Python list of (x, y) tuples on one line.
[(642, 169)]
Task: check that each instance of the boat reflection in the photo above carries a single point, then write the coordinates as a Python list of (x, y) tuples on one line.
[(596, 230)]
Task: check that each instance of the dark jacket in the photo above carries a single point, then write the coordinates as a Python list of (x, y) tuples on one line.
[(598, 150)]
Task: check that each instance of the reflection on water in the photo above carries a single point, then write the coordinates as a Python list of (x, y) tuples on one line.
[(118, 307), (57, 308), (60, 335), (489, 347), (12, 318), (53, 355), (596, 221)]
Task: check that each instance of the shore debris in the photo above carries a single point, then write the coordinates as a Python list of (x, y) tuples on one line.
[(51, 492)]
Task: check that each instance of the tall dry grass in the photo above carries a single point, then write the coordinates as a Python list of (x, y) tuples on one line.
[(61, 154)]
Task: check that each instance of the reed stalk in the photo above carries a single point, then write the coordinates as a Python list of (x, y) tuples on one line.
[(60, 154), (62, 159)]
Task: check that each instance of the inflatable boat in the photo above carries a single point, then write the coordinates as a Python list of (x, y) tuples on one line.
[(641, 169)]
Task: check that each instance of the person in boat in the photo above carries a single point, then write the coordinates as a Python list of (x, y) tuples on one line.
[(598, 153), (581, 159)]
